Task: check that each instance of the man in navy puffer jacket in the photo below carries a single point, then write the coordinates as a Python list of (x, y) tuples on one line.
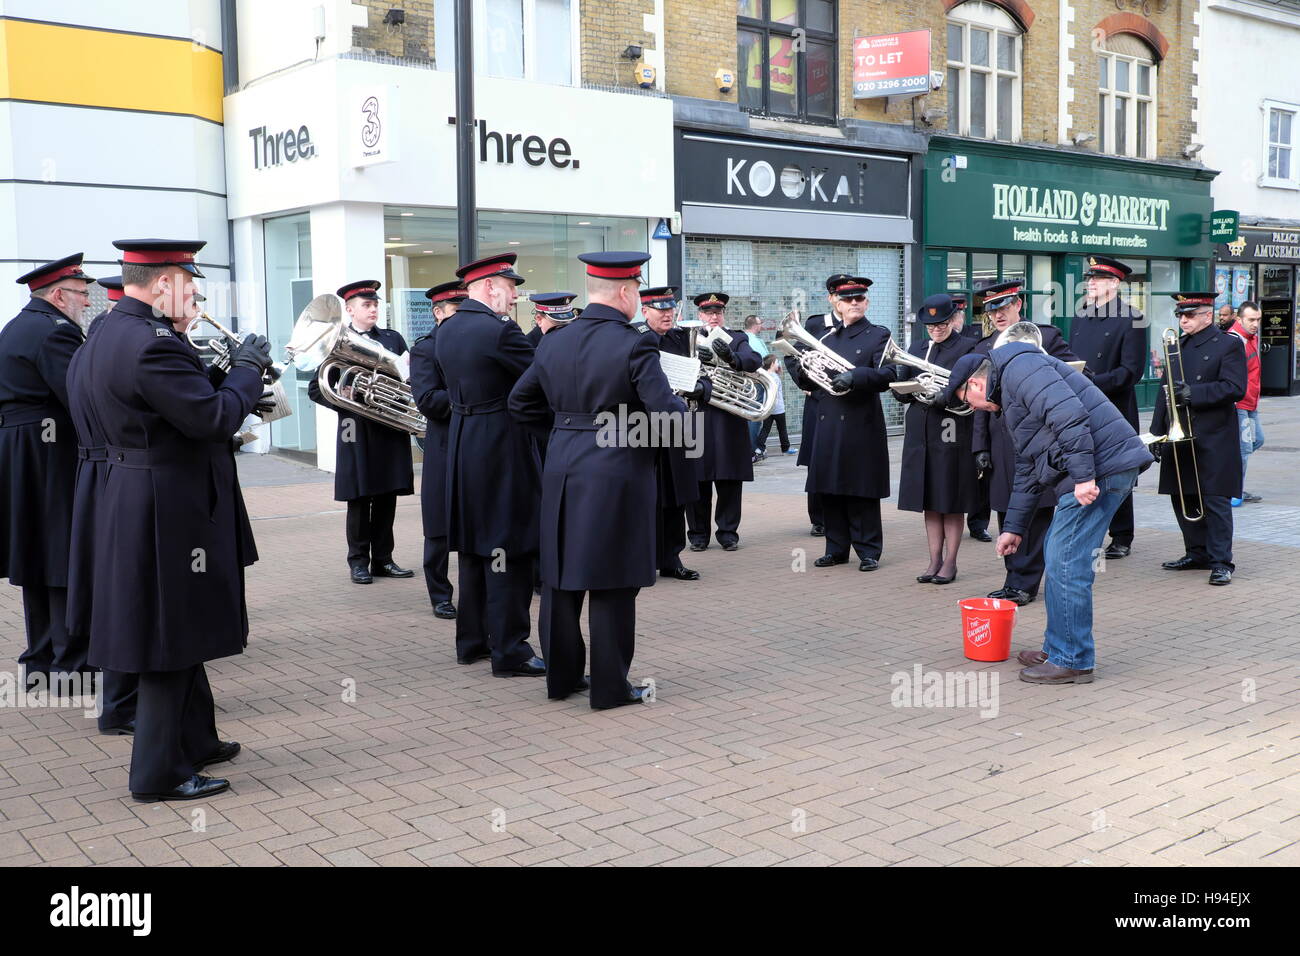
[(1070, 437)]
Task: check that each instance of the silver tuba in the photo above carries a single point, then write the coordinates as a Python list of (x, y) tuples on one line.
[(222, 346), (748, 395), (818, 362), (932, 379), (372, 381)]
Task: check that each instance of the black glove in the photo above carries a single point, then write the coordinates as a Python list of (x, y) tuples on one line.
[(905, 398), (1157, 448), (254, 352), (842, 382), (702, 392), (1092, 376), (983, 464), (723, 351), (1183, 393), (265, 405)]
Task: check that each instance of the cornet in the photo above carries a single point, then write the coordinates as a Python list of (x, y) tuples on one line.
[(223, 346)]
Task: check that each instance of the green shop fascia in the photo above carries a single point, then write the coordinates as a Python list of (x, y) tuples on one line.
[(997, 211)]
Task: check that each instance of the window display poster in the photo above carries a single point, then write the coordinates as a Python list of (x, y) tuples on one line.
[(1240, 285), (1222, 281)]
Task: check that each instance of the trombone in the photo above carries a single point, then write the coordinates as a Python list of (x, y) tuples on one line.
[(1176, 434)]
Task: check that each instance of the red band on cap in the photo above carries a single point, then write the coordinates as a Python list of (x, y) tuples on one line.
[(449, 294), (842, 289), (157, 257), (353, 293), (614, 272), (482, 272), (115, 294), (49, 278), (1117, 273)]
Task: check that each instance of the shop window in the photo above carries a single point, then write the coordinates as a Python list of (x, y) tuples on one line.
[(421, 251), (1126, 98), (518, 39), (286, 242), (786, 58), (984, 55), (1280, 167)]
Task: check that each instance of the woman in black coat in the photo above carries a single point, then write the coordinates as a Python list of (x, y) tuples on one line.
[(938, 473)]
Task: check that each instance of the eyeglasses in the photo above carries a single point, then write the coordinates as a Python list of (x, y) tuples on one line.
[(68, 288), (712, 309), (853, 297)]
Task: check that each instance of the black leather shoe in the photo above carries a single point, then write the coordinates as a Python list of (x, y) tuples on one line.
[(124, 730), (679, 573), (1185, 563), (445, 610), (729, 545), (818, 531), (1220, 576), (634, 696), (981, 534), (584, 684), (533, 667), (940, 580), (476, 656), (830, 560), (1114, 551), (1012, 594), (390, 570), (868, 564), (924, 578), (699, 545), (226, 750), (361, 576), (195, 788)]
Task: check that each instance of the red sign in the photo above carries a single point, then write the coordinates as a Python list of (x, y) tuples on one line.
[(896, 64)]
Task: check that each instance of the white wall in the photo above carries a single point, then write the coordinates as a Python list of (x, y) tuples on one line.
[(275, 34), (1250, 52), (198, 20)]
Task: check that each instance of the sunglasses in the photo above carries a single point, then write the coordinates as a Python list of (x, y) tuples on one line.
[(663, 308), (853, 297)]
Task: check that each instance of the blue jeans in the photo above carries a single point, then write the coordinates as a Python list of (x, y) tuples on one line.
[(1073, 552), (1251, 436)]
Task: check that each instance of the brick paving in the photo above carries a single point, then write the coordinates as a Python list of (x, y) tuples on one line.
[(773, 739)]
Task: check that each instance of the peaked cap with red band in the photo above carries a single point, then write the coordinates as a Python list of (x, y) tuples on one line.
[(711, 299), (447, 292), (161, 252), (614, 265), (841, 284), (660, 297), (1104, 267), (114, 286), (999, 294), (69, 267), (502, 266), (1185, 302), (362, 289)]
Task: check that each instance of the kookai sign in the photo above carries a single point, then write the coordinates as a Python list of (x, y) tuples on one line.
[(718, 171)]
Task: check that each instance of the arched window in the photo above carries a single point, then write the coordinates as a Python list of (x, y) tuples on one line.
[(984, 57), (1126, 97)]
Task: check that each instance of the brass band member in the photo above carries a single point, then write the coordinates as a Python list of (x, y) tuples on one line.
[(938, 472), (373, 461)]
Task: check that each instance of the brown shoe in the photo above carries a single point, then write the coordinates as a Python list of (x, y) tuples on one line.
[(1030, 658), (1049, 673)]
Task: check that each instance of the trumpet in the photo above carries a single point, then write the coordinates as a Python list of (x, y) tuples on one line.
[(222, 346), (933, 379), (372, 381), (1176, 434), (818, 362)]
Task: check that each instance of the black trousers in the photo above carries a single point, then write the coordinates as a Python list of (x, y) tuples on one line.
[(1210, 539), (853, 521), (493, 611), (978, 520), (1121, 526), (50, 648), (175, 726), (119, 695), (766, 430), (613, 641), (670, 536), (1025, 567), (699, 512), (435, 570), (370, 530), (816, 510)]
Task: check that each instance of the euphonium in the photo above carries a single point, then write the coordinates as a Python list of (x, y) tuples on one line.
[(749, 395), (932, 378), (818, 362), (372, 381), (223, 346)]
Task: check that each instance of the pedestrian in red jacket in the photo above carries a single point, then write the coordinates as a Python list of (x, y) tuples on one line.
[(1252, 436)]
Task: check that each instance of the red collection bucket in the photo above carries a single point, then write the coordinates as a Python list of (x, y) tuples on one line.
[(986, 625)]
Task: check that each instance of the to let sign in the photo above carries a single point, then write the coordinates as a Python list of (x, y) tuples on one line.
[(896, 64)]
